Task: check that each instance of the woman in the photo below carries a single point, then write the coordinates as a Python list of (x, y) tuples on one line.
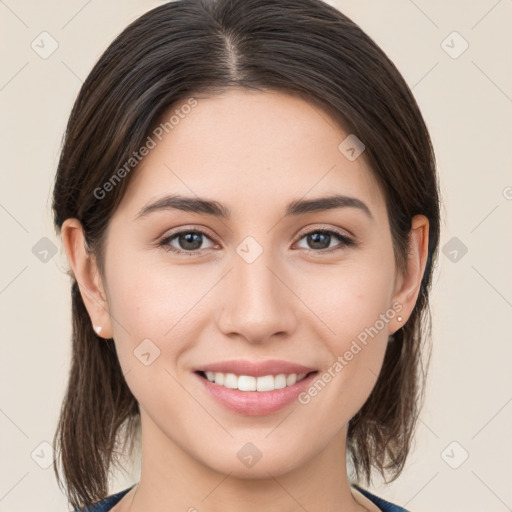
[(248, 201)]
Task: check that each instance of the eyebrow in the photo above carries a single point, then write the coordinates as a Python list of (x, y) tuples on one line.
[(210, 207)]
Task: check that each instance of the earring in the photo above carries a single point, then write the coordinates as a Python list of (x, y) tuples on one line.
[(98, 329), (399, 318)]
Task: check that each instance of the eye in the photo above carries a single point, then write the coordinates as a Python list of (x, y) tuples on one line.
[(320, 240), (189, 241)]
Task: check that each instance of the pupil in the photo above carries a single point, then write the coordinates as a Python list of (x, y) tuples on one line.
[(189, 242), (317, 239)]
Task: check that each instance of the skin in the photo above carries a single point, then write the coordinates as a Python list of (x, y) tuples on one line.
[(254, 152)]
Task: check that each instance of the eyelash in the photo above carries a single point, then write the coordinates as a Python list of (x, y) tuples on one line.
[(345, 241)]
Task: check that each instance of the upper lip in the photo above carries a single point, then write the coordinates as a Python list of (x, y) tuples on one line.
[(254, 368)]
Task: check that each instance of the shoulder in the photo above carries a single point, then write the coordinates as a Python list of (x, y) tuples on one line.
[(107, 503), (384, 506)]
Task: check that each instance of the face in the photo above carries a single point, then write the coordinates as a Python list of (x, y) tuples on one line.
[(267, 281)]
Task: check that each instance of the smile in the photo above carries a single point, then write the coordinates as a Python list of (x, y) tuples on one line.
[(254, 396), (252, 383)]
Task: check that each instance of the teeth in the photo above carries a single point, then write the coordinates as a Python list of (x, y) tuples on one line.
[(250, 383)]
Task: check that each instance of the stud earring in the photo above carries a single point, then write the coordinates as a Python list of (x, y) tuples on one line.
[(399, 318), (98, 329)]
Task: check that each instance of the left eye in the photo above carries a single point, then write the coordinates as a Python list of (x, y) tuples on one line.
[(320, 237)]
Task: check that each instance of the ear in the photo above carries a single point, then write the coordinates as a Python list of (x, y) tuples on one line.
[(408, 282), (87, 275)]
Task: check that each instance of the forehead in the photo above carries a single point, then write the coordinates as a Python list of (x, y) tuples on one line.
[(249, 148)]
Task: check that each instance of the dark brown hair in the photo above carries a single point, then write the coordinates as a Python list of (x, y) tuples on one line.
[(205, 47)]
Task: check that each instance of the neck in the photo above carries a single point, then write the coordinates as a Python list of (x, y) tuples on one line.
[(172, 479)]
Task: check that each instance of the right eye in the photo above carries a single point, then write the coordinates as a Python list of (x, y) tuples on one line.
[(189, 241)]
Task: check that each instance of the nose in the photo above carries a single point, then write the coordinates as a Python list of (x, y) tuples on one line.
[(258, 302)]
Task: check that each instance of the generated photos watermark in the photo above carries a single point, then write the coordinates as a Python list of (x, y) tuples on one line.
[(356, 347), (150, 143)]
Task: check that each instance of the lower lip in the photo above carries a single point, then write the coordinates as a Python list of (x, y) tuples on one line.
[(255, 403)]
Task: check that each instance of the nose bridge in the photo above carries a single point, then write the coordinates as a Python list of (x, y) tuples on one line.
[(256, 304)]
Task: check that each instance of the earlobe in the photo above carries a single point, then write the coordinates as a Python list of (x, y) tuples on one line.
[(408, 283), (87, 275)]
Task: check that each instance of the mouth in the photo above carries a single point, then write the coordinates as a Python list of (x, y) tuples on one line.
[(253, 395), (252, 383)]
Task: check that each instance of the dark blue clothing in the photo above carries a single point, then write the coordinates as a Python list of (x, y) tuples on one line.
[(110, 501), (384, 505)]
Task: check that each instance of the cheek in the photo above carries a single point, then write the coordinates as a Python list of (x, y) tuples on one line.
[(349, 297), (354, 304), (149, 297), (156, 309), (151, 310)]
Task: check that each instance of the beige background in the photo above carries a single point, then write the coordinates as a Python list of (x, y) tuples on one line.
[(467, 103)]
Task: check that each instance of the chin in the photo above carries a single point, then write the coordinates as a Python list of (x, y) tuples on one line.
[(248, 461)]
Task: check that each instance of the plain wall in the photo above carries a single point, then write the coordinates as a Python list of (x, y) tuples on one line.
[(467, 104)]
